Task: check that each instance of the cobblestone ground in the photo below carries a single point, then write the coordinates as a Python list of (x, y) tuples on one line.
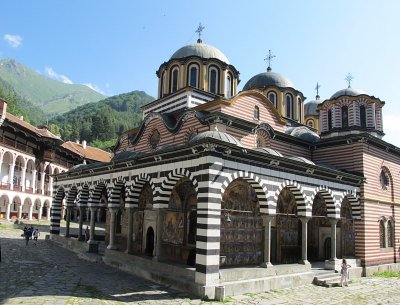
[(47, 274)]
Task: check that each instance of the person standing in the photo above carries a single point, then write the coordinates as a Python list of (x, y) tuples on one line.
[(28, 235), (87, 233), (36, 234), (344, 271)]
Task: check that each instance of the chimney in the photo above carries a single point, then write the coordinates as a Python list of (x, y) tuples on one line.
[(21, 117), (77, 141), (84, 144)]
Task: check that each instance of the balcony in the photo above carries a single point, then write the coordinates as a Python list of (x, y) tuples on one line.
[(16, 145)]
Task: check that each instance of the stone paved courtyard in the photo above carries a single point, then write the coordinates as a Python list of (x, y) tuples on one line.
[(47, 274)]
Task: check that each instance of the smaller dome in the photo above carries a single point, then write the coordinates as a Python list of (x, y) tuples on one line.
[(349, 92), (303, 133), (218, 135), (310, 108), (266, 79), (302, 159), (126, 155), (201, 50), (269, 151)]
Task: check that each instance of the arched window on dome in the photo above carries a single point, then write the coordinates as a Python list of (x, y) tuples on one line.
[(174, 79), (256, 113), (345, 116), (213, 80), (310, 123), (289, 106), (229, 85), (363, 117), (329, 119), (299, 113), (272, 97), (163, 84), (193, 79)]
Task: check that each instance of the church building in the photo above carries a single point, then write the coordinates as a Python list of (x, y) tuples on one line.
[(222, 192)]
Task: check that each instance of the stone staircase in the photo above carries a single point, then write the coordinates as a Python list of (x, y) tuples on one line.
[(327, 278)]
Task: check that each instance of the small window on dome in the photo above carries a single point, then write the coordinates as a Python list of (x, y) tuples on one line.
[(174, 79), (256, 113), (272, 98), (229, 88), (345, 117), (310, 123), (289, 106), (329, 119), (193, 79), (163, 84), (363, 117), (213, 80)]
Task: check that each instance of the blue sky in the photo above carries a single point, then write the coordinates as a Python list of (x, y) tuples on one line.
[(116, 46)]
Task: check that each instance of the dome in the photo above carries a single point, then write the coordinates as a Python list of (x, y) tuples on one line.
[(310, 108), (126, 155), (303, 133), (269, 151), (222, 136), (201, 50), (302, 159), (349, 92), (265, 79)]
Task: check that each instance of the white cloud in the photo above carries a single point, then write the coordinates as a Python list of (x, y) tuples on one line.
[(95, 88), (13, 40), (62, 78)]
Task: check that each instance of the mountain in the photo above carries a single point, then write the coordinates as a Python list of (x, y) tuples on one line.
[(52, 96), (101, 123)]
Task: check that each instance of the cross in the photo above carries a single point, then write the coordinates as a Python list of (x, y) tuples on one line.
[(349, 78), (269, 59), (317, 88), (200, 29)]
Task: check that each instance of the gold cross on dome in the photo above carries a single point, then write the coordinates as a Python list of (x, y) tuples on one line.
[(269, 58)]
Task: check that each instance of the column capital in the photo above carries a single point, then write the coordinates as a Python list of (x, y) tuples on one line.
[(304, 219), (333, 220)]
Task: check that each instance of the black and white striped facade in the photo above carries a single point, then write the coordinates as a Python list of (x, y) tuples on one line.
[(210, 165)]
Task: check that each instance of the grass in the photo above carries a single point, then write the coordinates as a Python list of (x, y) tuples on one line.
[(387, 274)]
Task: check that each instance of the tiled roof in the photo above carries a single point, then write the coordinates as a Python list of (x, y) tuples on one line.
[(43, 132), (89, 153)]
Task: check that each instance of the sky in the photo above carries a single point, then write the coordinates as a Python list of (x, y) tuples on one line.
[(117, 46)]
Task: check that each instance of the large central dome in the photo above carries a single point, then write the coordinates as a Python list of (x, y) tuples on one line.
[(201, 50), (266, 79)]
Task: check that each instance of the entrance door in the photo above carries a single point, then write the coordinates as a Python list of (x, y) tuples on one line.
[(327, 248), (149, 241)]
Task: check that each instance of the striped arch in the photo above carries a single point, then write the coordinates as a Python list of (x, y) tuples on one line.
[(94, 199), (72, 193), (259, 187), (115, 193), (83, 196), (326, 193), (169, 183), (302, 208), (55, 215), (354, 203), (133, 192)]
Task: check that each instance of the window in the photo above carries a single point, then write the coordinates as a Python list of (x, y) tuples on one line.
[(193, 79), (345, 117), (272, 98), (289, 106), (363, 117), (329, 119), (256, 112), (213, 80), (381, 234), (174, 79), (384, 179), (229, 88), (118, 225), (390, 235), (154, 139), (299, 107), (163, 84), (310, 123), (261, 141)]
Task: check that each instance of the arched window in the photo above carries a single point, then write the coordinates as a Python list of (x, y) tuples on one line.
[(329, 119), (390, 235), (310, 123), (382, 236), (363, 117), (384, 179), (174, 79), (345, 117), (289, 106), (272, 98), (256, 112), (229, 85), (193, 79), (261, 141), (299, 107), (213, 80), (162, 87)]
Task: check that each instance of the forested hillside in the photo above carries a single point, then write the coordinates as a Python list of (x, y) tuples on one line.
[(101, 123)]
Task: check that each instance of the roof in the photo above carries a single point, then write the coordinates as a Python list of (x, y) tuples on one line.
[(215, 134), (349, 92), (43, 132), (310, 108), (266, 79), (89, 153), (304, 133), (201, 50)]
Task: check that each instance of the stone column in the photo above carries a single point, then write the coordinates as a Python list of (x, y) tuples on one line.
[(42, 177), (333, 239), (48, 212), (23, 177), (68, 220), (113, 212), (11, 176), (130, 230), (267, 241), (8, 211), (93, 211), (158, 234), (30, 211), (304, 221), (98, 215), (34, 172), (80, 235), (51, 185)]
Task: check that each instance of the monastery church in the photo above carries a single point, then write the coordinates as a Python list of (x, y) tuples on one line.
[(221, 192)]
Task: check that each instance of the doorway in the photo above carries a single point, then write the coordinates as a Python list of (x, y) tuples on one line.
[(149, 241)]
